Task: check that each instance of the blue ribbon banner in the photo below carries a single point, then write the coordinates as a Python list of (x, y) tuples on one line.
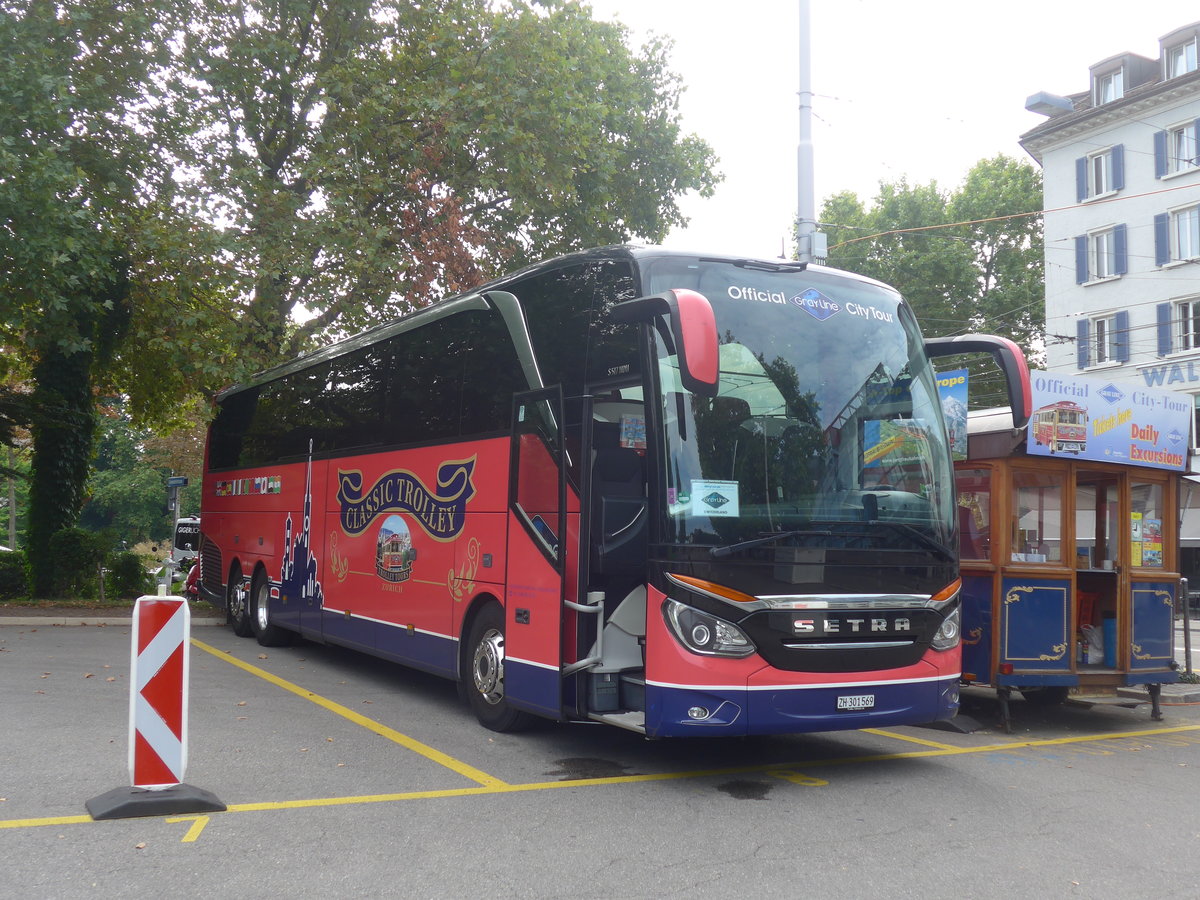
[(441, 515)]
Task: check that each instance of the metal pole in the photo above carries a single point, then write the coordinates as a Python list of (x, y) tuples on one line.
[(806, 221)]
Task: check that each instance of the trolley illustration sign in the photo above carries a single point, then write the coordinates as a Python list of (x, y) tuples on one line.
[(1108, 421)]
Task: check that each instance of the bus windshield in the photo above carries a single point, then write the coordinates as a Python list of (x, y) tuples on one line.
[(826, 430)]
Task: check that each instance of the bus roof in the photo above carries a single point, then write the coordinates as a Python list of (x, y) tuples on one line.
[(475, 300)]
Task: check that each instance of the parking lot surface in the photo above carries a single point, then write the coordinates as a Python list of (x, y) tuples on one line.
[(346, 776)]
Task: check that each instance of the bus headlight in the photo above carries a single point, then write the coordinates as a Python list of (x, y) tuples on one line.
[(706, 634), (947, 636)]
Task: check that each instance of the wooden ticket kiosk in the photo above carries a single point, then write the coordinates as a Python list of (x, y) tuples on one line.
[(1070, 569)]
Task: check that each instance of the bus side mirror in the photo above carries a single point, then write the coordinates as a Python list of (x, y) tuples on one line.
[(693, 329), (1007, 355)]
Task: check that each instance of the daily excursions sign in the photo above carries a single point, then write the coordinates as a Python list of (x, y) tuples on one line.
[(1109, 421)]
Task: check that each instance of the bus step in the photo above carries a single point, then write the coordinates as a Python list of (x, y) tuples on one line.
[(630, 721), (633, 690)]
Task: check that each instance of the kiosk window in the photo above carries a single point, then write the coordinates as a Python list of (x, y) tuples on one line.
[(1036, 518), (974, 487), (1146, 525)]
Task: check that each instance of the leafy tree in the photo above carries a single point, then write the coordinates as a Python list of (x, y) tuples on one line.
[(180, 180), (369, 155), (74, 146), (967, 261)]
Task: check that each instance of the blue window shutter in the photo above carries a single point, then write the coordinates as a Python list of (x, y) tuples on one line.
[(1196, 129), (1121, 338), (1121, 249), (1082, 345), (1081, 179), (1118, 167), (1160, 154), (1162, 240), (1164, 328), (1081, 266)]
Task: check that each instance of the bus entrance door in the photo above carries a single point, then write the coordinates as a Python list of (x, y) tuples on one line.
[(537, 546)]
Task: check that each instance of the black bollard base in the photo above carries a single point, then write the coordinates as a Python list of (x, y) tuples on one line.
[(132, 802)]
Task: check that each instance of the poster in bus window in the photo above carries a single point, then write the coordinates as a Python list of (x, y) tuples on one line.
[(1108, 421)]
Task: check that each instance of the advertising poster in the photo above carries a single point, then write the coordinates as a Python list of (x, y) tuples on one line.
[(952, 389), (1109, 421)]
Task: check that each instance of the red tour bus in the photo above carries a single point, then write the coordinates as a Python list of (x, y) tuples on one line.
[(1061, 426), (626, 485)]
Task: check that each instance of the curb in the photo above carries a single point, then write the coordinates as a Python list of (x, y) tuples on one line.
[(26, 621), (1171, 693)]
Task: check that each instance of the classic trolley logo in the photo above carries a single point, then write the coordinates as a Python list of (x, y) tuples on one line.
[(440, 515)]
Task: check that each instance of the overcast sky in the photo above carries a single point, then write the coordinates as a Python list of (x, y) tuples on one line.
[(922, 89)]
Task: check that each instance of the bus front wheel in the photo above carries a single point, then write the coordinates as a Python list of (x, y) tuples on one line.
[(483, 673), (268, 635)]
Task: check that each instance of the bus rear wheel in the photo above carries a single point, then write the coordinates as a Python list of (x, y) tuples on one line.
[(268, 635), (238, 605), (483, 673)]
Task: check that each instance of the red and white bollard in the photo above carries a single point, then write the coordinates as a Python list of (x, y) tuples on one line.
[(158, 717), (158, 699)]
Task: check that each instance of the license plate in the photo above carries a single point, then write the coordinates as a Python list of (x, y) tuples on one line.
[(856, 701)]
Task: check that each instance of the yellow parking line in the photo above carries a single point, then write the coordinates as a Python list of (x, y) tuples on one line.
[(34, 823), (495, 786), (904, 737), (437, 756)]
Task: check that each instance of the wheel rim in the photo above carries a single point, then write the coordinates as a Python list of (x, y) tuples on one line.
[(261, 597), (487, 667), (237, 601)]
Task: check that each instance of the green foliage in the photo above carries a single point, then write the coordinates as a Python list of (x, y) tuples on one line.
[(178, 179), (371, 154), (126, 493), (127, 577), (967, 261), (14, 576), (78, 556)]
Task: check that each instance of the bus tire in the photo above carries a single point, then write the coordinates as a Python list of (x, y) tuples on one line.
[(1052, 695), (237, 608), (268, 635), (483, 673)]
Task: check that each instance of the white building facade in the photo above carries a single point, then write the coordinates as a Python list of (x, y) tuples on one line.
[(1121, 175)]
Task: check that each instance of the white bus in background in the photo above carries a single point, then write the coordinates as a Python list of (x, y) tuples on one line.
[(185, 545)]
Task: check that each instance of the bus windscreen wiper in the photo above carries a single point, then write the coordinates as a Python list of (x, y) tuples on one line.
[(762, 265), (919, 536), (730, 549), (907, 530)]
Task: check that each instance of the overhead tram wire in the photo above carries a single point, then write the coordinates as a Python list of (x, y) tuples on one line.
[(1040, 212)]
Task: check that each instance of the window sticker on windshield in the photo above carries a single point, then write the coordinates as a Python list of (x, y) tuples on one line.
[(633, 432), (715, 498)]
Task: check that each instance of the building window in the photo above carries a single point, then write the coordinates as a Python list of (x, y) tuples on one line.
[(1187, 321), (1100, 173), (1181, 58), (1109, 87), (1101, 255), (1103, 339), (1177, 149), (1185, 233), (1105, 343), (1195, 419), (1181, 148)]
